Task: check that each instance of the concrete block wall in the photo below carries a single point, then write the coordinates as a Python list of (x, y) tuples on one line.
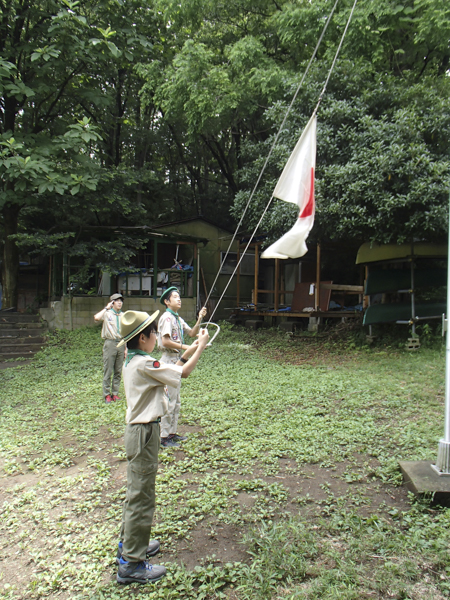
[(84, 308)]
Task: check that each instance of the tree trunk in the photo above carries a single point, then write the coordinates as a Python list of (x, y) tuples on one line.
[(10, 264)]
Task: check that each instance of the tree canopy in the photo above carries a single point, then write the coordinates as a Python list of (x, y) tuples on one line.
[(116, 112)]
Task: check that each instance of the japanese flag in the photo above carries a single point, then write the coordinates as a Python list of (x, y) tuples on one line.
[(296, 185)]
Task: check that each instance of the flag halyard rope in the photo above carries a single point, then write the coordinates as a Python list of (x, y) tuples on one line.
[(335, 57), (270, 153), (280, 129)]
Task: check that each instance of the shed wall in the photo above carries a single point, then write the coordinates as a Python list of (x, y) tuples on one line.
[(84, 309)]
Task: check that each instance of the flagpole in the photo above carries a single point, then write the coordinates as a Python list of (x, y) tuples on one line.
[(442, 465)]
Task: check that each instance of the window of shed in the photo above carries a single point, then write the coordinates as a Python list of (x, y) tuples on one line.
[(247, 266)]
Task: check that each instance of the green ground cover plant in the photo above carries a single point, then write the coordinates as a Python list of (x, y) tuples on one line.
[(287, 488)]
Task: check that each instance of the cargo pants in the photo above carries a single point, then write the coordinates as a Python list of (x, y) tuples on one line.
[(141, 447), (112, 367)]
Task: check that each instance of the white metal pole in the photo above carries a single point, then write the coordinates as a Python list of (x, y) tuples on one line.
[(443, 459), (447, 348)]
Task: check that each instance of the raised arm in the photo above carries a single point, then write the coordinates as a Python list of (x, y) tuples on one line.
[(99, 316), (193, 332)]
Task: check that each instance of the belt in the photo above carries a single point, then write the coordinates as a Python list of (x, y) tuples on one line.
[(158, 420)]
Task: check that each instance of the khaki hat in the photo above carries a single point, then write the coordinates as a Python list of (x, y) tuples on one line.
[(116, 297), (166, 293), (133, 322)]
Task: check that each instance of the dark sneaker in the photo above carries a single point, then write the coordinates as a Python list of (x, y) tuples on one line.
[(108, 399), (169, 443), (140, 572), (178, 438), (115, 398), (152, 550)]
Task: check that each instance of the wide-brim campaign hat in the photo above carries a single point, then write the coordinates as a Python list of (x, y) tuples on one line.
[(166, 293), (116, 297), (133, 322)]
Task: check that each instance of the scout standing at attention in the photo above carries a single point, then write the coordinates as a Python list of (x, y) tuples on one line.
[(145, 379), (171, 330), (112, 355)]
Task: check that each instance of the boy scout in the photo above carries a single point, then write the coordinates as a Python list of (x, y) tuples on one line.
[(144, 380), (171, 329), (112, 355)]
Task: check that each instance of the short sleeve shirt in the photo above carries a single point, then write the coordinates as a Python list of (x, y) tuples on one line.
[(111, 325), (145, 379), (168, 325)]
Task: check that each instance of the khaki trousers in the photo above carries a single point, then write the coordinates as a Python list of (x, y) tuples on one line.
[(141, 446), (169, 422), (112, 367)]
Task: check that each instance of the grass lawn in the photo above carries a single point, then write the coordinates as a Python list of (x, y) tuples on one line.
[(287, 488)]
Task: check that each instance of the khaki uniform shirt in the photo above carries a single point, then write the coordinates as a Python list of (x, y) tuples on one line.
[(168, 325), (144, 379), (111, 325)]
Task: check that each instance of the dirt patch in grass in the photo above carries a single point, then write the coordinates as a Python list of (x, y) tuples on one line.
[(311, 494)]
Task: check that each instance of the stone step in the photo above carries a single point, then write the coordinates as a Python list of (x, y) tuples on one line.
[(34, 347), (24, 355), (26, 332), (6, 342), (16, 317), (21, 335), (24, 325)]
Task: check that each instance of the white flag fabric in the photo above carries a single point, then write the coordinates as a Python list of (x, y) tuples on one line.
[(296, 185)]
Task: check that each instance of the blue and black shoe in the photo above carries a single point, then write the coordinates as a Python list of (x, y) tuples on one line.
[(168, 442), (140, 572), (177, 438)]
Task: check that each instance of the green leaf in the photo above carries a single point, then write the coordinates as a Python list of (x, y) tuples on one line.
[(114, 49)]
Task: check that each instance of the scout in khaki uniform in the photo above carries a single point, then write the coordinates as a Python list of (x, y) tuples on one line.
[(112, 355), (145, 379), (172, 329)]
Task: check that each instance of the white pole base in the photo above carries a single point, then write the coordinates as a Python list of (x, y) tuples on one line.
[(442, 466)]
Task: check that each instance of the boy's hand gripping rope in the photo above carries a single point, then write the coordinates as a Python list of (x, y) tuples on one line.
[(205, 326)]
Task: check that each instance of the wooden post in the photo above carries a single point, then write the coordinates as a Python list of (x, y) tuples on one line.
[(208, 304), (255, 301), (365, 299), (277, 277), (238, 274), (318, 278), (155, 271)]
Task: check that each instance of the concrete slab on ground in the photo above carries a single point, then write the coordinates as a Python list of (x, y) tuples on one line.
[(420, 478)]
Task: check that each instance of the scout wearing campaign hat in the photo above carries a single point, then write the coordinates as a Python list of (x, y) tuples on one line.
[(133, 322), (145, 381)]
